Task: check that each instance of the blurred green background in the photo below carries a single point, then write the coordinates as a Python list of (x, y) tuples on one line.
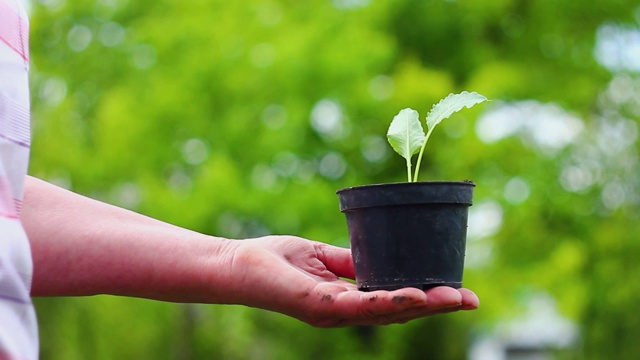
[(242, 118)]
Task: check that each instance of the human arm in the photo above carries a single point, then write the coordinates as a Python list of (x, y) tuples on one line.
[(83, 247)]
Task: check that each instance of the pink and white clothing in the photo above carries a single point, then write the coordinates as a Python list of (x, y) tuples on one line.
[(18, 326)]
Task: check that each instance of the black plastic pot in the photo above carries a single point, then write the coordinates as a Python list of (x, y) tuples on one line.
[(408, 234)]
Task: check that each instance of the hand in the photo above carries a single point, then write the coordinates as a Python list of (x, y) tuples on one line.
[(301, 278)]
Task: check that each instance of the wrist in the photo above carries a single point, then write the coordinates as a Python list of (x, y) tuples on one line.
[(195, 269)]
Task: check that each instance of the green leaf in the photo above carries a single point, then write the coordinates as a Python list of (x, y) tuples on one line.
[(405, 134), (452, 103), (441, 111)]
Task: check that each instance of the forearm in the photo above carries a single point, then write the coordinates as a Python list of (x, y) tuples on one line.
[(84, 247)]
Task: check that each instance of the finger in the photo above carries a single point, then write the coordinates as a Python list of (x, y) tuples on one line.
[(443, 296), (338, 307), (438, 300), (398, 317), (377, 306), (470, 300), (337, 260), (333, 303)]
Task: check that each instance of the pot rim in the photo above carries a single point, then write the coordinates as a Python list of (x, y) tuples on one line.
[(406, 193), (410, 184)]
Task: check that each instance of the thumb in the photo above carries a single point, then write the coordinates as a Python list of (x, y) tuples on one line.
[(337, 260)]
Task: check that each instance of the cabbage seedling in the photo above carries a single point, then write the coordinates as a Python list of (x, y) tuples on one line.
[(407, 136)]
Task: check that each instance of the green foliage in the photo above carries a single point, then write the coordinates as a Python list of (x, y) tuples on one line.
[(406, 135), (242, 118)]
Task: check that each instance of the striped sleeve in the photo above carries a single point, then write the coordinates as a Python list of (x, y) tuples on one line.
[(18, 326)]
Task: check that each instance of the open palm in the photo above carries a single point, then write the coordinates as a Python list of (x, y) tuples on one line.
[(306, 280)]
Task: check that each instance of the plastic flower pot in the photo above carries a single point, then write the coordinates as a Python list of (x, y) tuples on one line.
[(407, 234)]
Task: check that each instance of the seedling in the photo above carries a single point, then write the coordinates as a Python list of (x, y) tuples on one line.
[(407, 136)]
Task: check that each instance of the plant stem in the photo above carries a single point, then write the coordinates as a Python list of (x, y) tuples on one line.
[(409, 169), (424, 145)]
